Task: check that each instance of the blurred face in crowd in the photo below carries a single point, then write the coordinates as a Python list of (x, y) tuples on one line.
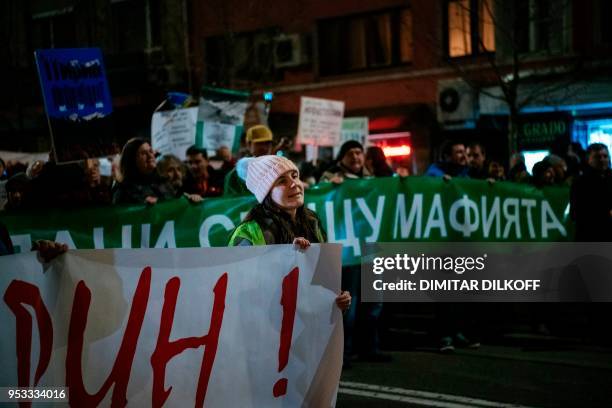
[(115, 172), (496, 171), (287, 191), (173, 172), (599, 159), (475, 157), (36, 168), (457, 155), (354, 160), (15, 198), (198, 165), (260, 148), (92, 172), (516, 159), (17, 192), (145, 159), (224, 153), (548, 177), (560, 170)]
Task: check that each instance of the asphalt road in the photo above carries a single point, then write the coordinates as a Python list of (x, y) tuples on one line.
[(492, 376)]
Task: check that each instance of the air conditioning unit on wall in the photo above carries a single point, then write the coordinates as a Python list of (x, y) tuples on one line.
[(457, 104), (289, 50)]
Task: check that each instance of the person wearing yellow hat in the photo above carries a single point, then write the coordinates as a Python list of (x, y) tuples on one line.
[(259, 142)]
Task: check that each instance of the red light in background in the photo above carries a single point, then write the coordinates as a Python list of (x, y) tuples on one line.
[(395, 151), (385, 123)]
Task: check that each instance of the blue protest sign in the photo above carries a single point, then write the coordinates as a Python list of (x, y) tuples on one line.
[(77, 101), (73, 82)]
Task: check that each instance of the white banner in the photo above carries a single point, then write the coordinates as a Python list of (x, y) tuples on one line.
[(172, 132), (320, 121), (219, 327)]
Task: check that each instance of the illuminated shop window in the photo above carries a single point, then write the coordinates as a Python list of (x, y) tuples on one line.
[(470, 27), (600, 131)]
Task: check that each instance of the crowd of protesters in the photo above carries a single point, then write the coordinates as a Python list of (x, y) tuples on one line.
[(139, 176)]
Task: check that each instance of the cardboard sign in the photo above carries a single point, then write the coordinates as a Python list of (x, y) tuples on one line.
[(173, 132), (222, 327), (320, 121), (216, 135)]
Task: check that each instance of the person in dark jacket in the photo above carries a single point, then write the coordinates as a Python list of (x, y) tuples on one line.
[(376, 162), (350, 164), (140, 183), (477, 161), (591, 197), (199, 179), (543, 174), (6, 245), (453, 164), (361, 323)]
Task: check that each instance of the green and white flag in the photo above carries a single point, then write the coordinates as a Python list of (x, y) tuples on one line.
[(221, 118)]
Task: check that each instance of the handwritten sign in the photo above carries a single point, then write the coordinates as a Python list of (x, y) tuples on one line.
[(172, 132), (216, 135), (320, 121)]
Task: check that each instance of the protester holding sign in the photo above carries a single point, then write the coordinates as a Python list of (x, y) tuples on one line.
[(47, 250), (140, 183), (6, 245), (280, 217)]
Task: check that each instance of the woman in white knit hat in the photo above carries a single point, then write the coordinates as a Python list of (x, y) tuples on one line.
[(280, 217)]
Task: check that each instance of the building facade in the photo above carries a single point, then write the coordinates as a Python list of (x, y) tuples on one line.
[(435, 69), (468, 69)]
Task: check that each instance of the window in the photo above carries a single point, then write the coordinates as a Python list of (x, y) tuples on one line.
[(360, 42), (540, 25), (470, 27), (53, 29), (136, 25), (603, 9), (243, 57)]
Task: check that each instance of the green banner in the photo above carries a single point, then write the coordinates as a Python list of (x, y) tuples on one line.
[(357, 212)]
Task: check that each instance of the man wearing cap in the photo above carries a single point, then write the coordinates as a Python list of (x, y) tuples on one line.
[(350, 163), (362, 319), (259, 143)]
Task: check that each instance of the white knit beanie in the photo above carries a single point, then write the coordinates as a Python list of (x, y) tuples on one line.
[(261, 172)]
